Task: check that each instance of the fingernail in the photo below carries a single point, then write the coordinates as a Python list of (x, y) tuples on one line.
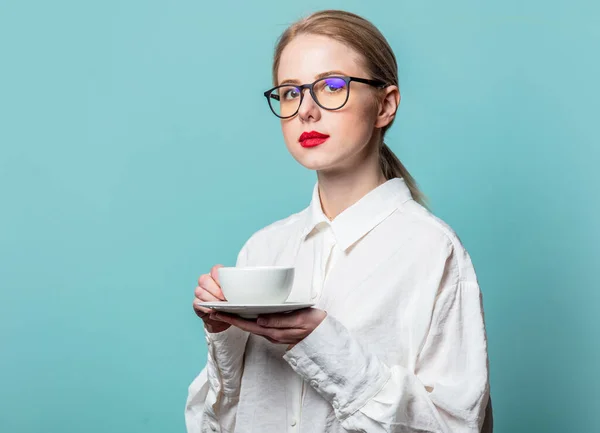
[(261, 321)]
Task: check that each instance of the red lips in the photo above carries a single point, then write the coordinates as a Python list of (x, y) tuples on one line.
[(312, 138), (312, 134)]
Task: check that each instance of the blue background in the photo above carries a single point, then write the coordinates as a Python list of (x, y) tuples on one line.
[(137, 150)]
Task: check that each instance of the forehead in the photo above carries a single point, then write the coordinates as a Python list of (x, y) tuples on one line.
[(308, 55)]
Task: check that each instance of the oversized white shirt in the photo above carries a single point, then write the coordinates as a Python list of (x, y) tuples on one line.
[(403, 347)]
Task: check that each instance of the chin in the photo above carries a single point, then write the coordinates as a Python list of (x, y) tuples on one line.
[(318, 158), (316, 162)]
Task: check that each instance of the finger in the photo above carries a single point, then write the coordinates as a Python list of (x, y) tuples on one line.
[(207, 282), (281, 320), (286, 335), (201, 311), (270, 339), (215, 274), (205, 296), (246, 325), (277, 336), (202, 295)]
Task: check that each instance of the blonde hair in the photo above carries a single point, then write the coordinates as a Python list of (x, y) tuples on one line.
[(379, 60)]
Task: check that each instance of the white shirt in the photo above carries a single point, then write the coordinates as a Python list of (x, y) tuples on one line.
[(403, 347)]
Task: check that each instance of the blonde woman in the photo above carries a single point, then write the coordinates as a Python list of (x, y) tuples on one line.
[(396, 340)]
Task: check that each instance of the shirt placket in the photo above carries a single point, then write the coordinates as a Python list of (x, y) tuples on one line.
[(324, 244), (323, 251)]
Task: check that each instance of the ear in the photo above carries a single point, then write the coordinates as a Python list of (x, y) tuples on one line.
[(388, 105)]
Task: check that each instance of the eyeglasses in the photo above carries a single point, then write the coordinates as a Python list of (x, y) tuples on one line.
[(330, 93)]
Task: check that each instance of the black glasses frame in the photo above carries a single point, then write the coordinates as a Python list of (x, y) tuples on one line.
[(270, 95)]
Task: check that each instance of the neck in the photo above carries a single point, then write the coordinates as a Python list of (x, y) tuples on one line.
[(342, 187)]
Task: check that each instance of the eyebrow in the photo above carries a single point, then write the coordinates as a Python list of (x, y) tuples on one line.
[(318, 76)]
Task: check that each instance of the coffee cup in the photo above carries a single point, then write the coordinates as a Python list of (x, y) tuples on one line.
[(256, 284)]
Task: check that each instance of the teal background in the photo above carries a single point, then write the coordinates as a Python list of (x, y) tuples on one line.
[(137, 150)]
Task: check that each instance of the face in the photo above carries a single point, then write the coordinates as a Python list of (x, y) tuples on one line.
[(351, 128)]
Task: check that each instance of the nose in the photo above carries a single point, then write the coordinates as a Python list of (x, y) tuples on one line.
[(308, 108)]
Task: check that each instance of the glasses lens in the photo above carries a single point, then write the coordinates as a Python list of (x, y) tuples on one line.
[(285, 100), (331, 92)]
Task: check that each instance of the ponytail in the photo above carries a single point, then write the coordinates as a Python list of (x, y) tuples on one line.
[(392, 167)]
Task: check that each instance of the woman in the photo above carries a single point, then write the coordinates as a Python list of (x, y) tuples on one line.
[(396, 341)]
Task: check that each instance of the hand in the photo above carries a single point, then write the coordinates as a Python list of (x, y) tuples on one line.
[(209, 290), (279, 328)]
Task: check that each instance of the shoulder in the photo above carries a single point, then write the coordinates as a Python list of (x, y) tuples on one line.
[(429, 234)]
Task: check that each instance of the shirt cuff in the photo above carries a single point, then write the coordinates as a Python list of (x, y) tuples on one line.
[(226, 357), (338, 367)]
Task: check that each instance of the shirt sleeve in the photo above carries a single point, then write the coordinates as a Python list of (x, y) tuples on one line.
[(213, 396), (447, 392)]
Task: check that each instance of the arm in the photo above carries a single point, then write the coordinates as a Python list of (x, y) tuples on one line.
[(213, 396), (212, 400), (447, 391)]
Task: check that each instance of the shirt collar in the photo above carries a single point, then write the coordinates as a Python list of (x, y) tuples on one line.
[(360, 218)]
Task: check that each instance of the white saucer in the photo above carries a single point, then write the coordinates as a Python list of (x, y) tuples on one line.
[(251, 311)]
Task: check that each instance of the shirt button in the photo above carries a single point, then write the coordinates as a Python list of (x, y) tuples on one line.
[(335, 404), (208, 341), (314, 384), (213, 426), (293, 362), (293, 422)]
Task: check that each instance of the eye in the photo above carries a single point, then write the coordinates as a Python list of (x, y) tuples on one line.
[(334, 84), (290, 93)]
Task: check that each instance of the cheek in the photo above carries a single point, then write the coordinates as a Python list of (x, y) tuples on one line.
[(290, 133), (353, 126)]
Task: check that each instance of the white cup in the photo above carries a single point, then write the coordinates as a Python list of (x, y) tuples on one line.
[(256, 284)]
